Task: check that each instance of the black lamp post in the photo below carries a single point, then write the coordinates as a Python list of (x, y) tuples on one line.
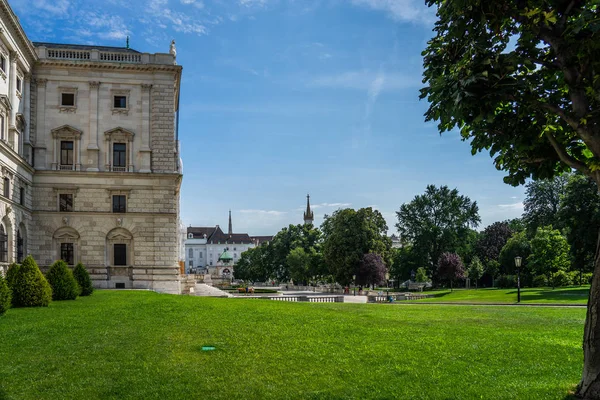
[(387, 284), (354, 283), (518, 265)]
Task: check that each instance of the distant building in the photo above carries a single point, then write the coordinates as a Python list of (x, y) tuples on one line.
[(309, 216), (396, 243), (209, 250)]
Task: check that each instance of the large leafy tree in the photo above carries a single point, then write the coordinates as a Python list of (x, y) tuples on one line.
[(450, 268), (517, 246), (580, 215), (492, 240), (348, 235), (521, 80), (549, 252), (371, 270), (437, 221), (542, 202)]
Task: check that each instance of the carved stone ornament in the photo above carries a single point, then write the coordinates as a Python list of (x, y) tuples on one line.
[(94, 85), (65, 220), (8, 210), (68, 110), (119, 221), (41, 82)]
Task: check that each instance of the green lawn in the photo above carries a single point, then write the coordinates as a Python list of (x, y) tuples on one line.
[(569, 295), (137, 344)]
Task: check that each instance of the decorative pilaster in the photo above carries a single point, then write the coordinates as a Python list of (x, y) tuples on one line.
[(145, 151), (93, 151), (27, 114), (41, 133), (14, 101)]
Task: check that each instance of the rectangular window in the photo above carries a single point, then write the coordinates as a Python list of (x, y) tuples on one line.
[(19, 84), (120, 102), (6, 188), (22, 196), (66, 153), (19, 247), (120, 254), (119, 155), (3, 63), (66, 253), (119, 203), (200, 256), (65, 202), (2, 128), (191, 263), (191, 253), (67, 99)]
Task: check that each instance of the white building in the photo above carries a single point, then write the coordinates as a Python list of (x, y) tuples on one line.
[(205, 245), (89, 158)]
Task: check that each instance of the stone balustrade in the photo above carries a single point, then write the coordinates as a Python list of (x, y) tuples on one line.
[(121, 57)]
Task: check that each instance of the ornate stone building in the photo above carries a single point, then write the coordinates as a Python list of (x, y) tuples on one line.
[(89, 156)]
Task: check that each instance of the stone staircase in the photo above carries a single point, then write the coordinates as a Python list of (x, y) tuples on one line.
[(202, 289)]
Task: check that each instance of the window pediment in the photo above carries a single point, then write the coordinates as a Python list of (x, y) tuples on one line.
[(119, 234), (66, 132), (66, 233), (119, 133)]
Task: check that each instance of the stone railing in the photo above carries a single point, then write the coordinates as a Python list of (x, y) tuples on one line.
[(306, 299), (126, 57), (384, 298)]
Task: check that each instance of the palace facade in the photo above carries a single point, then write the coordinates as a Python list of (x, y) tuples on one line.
[(89, 157)]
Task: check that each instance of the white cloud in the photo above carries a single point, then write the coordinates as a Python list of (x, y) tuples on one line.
[(253, 3), (401, 10), (179, 21), (513, 206), (264, 212), (373, 82), (194, 3), (52, 6)]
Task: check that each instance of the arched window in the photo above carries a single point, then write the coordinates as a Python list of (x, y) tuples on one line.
[(190, 235), (3, 244), (20, 249)]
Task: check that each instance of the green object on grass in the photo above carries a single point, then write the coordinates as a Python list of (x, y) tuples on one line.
[(208, 348)]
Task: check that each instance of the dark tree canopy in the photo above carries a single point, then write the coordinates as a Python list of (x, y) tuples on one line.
[(450, 268), (371, 270), (492, 240), (437, 221)]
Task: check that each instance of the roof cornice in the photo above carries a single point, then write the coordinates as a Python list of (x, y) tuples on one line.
[(114, 66), (21, 38)]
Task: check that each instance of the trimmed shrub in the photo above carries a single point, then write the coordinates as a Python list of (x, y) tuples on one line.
[(539, 281), (5, 295), (559, 278), (506, 281), (11, 275), (574, 277), (83, 279), (30, 288), (587, 278), (64, 285)]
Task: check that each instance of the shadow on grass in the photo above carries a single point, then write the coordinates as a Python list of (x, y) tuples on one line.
[(554, 295)]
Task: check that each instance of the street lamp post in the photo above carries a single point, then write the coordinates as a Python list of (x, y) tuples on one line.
[(354, 283), (518, 265)]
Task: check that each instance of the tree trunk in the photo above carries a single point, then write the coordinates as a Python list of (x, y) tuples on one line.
[(589, 387)]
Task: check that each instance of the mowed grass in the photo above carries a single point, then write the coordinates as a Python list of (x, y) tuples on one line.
[(569, 295), (137, 344)]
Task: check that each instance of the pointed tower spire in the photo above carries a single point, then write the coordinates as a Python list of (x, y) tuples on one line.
[(230, 228), (308, 214)]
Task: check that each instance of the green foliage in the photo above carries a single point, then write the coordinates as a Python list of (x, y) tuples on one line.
[(83, 280), (549, 252), (371, 270), (587, 278), (475, 270), (506, 281), (559, 278), (30, 288), (492, 268), (438, 221), (450, 268), (517, 246), (516, 224), (542, 203), (63, 283), (579, 214), (404, 261), (299, 265), (5, 296), (421, 275), (540, 281), (350, 234), (11, 274)]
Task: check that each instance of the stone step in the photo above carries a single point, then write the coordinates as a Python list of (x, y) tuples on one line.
[(202, 289)]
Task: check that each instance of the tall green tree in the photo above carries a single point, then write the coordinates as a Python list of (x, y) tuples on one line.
[(404, 261), (517, 246), (435, 222), (520, 79), (492, 240), (549, 252), (475, 270), (542, 202), (579, 213), (350, 234)]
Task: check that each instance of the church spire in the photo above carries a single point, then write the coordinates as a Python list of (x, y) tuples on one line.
[(308, 214), (230, 228)]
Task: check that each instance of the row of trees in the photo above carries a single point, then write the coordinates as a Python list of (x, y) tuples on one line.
[(26, 286)]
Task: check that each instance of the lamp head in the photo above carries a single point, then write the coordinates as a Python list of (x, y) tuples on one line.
[(518, 262)]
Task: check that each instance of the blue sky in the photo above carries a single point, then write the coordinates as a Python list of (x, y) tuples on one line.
[(284, 97)]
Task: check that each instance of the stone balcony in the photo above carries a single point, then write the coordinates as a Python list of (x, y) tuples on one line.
[(77, 53)]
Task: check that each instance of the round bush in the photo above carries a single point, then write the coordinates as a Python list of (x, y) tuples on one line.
[(506, 281), (64, 285), (83, 279), (30, 288), (11, 275), (5, 295), (559, 278)]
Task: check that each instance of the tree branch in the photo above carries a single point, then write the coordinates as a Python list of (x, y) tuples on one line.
[(565, 157), (563, 19)]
